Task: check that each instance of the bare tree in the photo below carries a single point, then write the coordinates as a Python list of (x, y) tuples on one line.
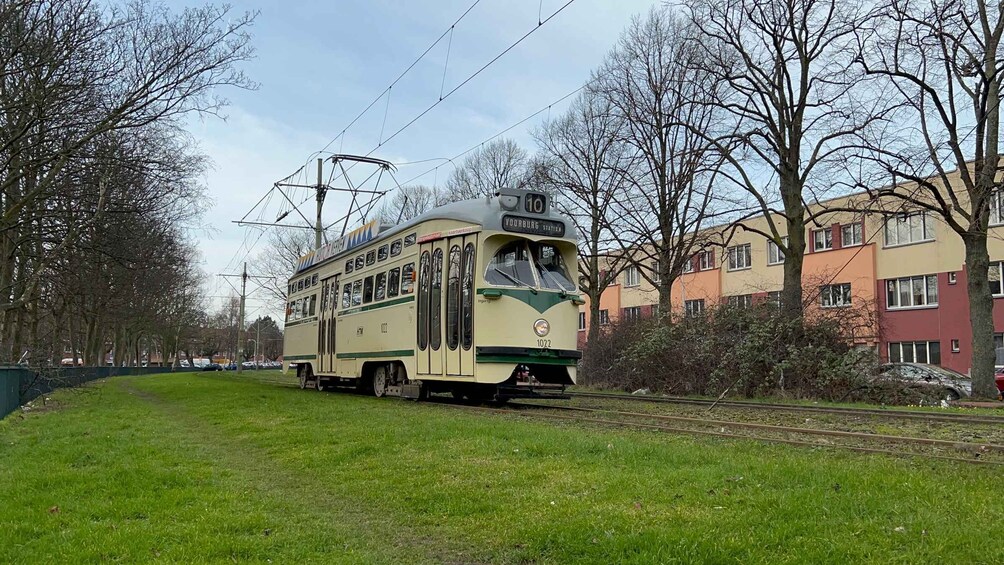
[(939, 62), (409, 202), (653, 86), (783, 71), (588, 173), (278, 262), (496, 165)]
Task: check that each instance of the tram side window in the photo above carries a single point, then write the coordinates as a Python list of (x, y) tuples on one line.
[(359, 262), (436, 301), (296, 309), (346, 295), (393, 282), (395, 248), (357, 293), (304, 304), (324, 297), (370, 258), (410, 239), (453, 299), (299, 285), (348, 266), (423, 301), (408, 279), (382, 253), (467, 298), (313, 304), (333, 299), (313, 280), (289, 311), (380, 292), (367, 290)]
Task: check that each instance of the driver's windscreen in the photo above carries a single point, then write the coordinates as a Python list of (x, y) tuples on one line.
[(551, 268), (511, 266)]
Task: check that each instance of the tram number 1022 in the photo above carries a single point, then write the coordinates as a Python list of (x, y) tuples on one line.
[(535, 203), (544, 343)]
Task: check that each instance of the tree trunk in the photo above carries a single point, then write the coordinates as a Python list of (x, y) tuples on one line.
[(594, 318), (980, 314), (791, 295)]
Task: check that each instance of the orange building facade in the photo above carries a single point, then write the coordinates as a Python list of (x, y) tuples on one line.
[(901, 272)]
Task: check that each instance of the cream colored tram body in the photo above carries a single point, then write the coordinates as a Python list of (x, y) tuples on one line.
[(475, 298)]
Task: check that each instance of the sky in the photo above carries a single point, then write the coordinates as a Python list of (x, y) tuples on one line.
[(319, 64)]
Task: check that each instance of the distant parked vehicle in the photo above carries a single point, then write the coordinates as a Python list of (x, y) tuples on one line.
[(954, 385), (230, 367), (999, 378), (212, 367)]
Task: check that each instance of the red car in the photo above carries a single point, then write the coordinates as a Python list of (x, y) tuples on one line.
[(999, 378)]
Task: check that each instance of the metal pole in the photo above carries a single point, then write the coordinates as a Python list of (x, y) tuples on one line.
[(320, 203), (240, 323), (258, 337)]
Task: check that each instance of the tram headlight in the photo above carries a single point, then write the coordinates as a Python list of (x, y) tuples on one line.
[(541, 327)]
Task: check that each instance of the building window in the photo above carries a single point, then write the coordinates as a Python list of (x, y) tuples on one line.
[(911, 292), (631, 276), (741, 301), (655, 271), (655, 310), (706, 260), (582, 320), (835, 295), (952, 278), (915, 352), (688, 266), (739, 257), (908, 228), (822, 239), (995, 278), (604, 317), (851, 234), (955, 346), (632, 313), (775, 255), (774, 298), (693, 308), (997, 207)]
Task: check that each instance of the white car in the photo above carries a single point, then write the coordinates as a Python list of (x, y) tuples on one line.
[(955, 385)]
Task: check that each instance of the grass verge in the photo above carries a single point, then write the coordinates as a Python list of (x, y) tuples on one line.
[(198, 467)]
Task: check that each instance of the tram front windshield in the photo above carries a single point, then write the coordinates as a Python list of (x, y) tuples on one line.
[(529, 264)]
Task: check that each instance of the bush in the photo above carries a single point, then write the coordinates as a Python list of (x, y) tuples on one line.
[(749, 352)]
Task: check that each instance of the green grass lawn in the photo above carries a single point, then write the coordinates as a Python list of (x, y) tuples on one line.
[(210, 468)]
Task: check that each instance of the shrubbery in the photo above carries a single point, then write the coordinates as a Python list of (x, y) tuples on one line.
[(749, 352)]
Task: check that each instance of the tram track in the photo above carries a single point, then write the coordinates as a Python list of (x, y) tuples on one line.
[(560, 413), (885, 413)]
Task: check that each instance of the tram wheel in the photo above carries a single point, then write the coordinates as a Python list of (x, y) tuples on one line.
[(301, 374), (380, 381), (318, 384)]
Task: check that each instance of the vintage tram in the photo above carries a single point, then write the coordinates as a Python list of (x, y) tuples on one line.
[(475, 298)]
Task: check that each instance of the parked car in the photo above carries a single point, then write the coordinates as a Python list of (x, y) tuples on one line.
[(954, 385), (230, 367), (212, 367), (999, 379)]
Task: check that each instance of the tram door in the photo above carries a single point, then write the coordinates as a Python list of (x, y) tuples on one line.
[(326, 326), (431, 272), (458, 310)]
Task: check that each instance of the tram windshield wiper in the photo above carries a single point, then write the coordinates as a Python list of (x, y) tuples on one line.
[(514, 280)]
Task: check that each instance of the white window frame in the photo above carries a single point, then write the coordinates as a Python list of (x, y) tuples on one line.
[(737, 252), (632, 277), (775, 255), (604, 317), (741, 301), (994, 275), (655, 270), (582, 321), (693, 308), (997, 208), (824, 243), (913, 347), (928, 281), (926, 225), (774, 298), (835, 295), (856, 228), (632, 313), (705, 260)]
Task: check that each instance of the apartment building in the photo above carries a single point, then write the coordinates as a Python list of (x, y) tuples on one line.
[(905, 273)]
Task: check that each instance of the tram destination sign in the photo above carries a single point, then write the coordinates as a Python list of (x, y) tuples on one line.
[(535, 226)]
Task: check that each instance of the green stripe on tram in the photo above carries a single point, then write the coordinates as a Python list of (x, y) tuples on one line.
[(299, 357), (523, 359), (541, 301), (372, 354)]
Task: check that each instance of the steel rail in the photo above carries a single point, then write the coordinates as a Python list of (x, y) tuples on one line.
[(673, 429), (798, 408)]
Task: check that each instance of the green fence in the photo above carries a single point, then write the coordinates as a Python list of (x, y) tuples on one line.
[(19, 385)]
